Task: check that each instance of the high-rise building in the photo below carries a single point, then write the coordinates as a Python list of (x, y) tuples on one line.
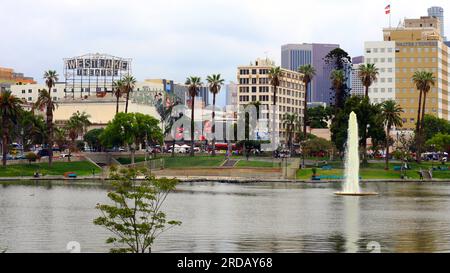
[(295, 55), (254, 85), (356, 84), (438, 12), (415, 46)]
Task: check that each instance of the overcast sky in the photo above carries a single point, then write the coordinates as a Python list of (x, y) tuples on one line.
[(176, 38)]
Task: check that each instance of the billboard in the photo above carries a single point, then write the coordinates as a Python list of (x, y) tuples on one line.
[(94, 73)]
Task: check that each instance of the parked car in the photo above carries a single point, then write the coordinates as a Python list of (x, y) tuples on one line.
[(43, 153)]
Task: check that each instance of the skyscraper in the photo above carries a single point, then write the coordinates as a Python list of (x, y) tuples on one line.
[(295, 55), (415, 46), (438, 12)]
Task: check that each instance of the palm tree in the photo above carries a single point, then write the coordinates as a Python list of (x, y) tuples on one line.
[(290, 120), (308, 72), (337, 81), (83, 121), (193, 83), (275, 74), (118, 87), (45, 101), (391, 115), (60, 137), (129, 82), (368, 73), (423, 81), (10, 109), (215, 83)]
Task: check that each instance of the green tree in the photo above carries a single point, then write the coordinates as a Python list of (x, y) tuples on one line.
[(316, 145), (339, 59), (46, 102), (370, 124), (368, 73), (391, 115), (275, 74), (338, 85), (118, 90), (93, 139), (131, 130), (434, 125), (215, 82), (60, 137), (194, 84), (135, 217), (319, 117), (441, 142), (30, 129), (10, 107), (424, 81), (129, 82), (290, 121)]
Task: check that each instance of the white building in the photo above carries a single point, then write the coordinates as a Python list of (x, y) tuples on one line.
[(382, 54)]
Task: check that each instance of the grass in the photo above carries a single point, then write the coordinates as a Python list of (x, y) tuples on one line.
[(256, 164), (81, 168), (192, 162), (377, 171)]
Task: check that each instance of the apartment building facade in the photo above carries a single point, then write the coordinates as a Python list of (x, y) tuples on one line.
[(417, 46), (254, 85)]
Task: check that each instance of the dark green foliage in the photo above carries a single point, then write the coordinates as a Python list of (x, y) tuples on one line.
[(434, 125), (370, 122), (318, 117), (93, 139), (135, 218)]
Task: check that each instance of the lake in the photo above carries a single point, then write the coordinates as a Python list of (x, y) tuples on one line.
[(260, 217)]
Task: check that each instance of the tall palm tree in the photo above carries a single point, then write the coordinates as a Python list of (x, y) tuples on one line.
[(290, 121), (424, 81), (194, 84), (129, 82), (45, 101), (118, 88), (308, 72), (10, 107), (337, 81), (275, 74), (215, 83), (368, 73), (391, 115)]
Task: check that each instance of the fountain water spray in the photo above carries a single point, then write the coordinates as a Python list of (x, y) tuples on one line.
[(351, 184)]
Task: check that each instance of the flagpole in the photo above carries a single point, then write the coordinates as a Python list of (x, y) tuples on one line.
[(390, 16)]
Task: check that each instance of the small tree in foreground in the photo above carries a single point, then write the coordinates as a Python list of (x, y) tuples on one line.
[(135, 218)]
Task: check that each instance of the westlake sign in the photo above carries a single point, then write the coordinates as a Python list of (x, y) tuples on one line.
[(97, 65)]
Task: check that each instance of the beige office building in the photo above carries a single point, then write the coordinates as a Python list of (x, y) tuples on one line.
[(254, 85), (415, 46)]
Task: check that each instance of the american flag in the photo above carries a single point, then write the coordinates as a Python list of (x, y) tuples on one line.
[(387, 9)]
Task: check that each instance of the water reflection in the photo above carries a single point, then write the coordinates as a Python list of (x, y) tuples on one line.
[(239, 218)]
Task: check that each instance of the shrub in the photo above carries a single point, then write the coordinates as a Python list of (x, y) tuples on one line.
[(31, 157)]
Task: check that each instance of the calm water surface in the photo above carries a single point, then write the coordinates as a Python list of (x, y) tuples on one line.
[(240, 218)]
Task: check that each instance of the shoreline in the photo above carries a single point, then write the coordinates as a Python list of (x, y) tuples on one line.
[(199, 179)]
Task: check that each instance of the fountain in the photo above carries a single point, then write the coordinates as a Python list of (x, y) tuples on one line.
[(351, 184)]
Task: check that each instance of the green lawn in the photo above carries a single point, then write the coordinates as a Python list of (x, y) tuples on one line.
[(256, 164), (192, 162), (376, 171), (81, 168)]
